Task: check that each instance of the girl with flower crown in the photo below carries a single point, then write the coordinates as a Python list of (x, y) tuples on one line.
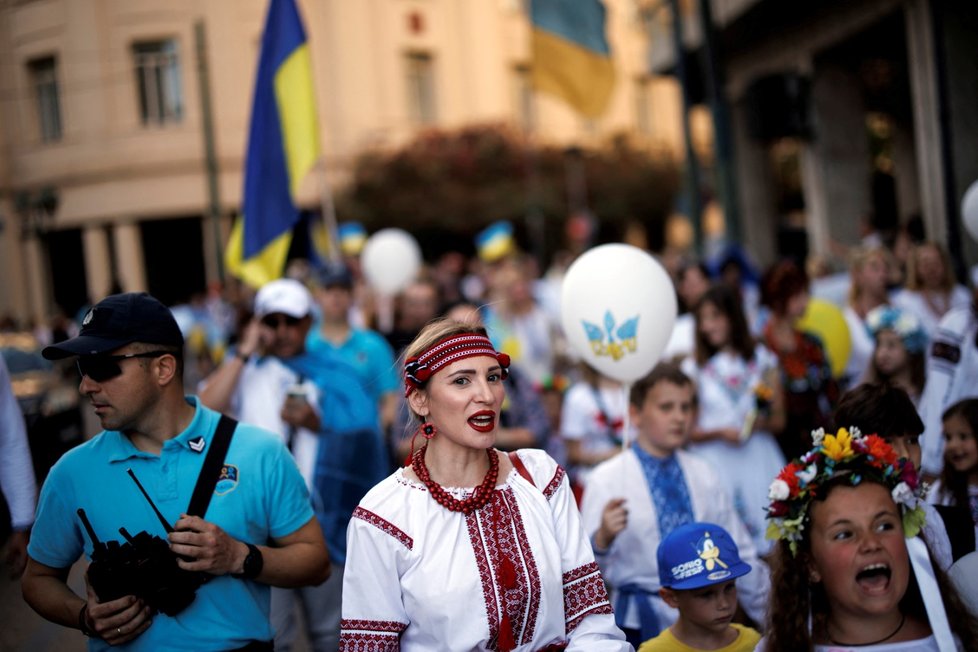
[(849, 571), (469, 548), (898, 356), (732, 433)]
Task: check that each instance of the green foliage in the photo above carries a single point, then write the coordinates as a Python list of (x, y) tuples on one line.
[(460, 181)]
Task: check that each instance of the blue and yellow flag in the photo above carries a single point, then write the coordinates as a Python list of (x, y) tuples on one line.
[(571, 57), (283, 145)]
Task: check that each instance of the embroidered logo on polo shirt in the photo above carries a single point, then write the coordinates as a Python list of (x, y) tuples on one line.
[(196, 445), (227, 481)]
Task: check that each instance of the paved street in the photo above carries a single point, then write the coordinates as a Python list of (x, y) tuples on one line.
[(22, 630)]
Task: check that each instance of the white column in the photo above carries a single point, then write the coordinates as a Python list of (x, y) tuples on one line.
[(926, 117), (98, 267), (130, 263)]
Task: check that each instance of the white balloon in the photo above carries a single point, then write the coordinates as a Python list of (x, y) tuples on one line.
[(969, 210), (390, 260), (618, 307)]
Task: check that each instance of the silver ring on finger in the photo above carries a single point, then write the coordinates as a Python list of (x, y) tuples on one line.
[(118, 630)]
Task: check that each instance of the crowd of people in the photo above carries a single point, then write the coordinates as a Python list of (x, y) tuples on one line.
[(466, 481)]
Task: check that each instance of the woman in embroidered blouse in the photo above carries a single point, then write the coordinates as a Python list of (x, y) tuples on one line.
[(740, 405), (810, 391), (469, 548)]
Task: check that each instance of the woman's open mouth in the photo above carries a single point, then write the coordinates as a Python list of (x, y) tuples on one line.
[(484, 421)]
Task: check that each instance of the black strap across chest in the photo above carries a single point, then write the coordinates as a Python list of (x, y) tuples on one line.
[(211, 469)]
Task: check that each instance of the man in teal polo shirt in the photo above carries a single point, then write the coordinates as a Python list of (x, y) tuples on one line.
[(258, 530)]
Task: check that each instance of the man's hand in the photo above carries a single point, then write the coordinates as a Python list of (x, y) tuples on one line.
[(208, 547), (614, 518), (297, 412), (117, 621), (16, 553)]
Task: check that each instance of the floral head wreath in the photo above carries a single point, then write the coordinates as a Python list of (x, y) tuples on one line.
[(418, 369), (901, 322), (847, 455)]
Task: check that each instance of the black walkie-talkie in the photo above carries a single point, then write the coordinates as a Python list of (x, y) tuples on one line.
[(143, 566)]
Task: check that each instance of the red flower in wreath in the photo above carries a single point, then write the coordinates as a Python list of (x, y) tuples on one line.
[(789, 476), (883, 454)]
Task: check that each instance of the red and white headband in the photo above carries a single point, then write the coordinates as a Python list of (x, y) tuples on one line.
[(418, 369)]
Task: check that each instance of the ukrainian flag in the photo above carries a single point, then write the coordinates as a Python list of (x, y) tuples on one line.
[(571, 57), (283, 145), (495, 242)]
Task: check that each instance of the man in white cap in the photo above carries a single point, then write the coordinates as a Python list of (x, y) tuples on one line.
[(318, 405)]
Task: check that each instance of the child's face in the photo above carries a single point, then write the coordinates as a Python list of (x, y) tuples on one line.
[(906, 445), (890, 355), (960, 448), (664, 418), (709, 609), (714, 325), (858, 551)]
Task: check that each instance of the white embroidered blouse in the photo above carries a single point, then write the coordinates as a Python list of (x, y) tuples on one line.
[(421, 577)]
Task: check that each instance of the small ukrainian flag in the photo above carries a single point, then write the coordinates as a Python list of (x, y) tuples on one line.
[(352, 236), (495, 242)]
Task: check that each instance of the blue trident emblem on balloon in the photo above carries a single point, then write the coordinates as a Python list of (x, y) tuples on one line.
[(620, 340), (618, 282)]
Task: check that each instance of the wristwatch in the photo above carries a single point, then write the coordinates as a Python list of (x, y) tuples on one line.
[(252, 564)]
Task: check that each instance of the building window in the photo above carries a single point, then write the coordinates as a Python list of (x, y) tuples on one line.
[(523, 97), (44, 79), (421, 88), (158, 80), (643, 105)]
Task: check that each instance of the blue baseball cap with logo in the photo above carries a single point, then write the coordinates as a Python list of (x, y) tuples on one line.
[(695, 555), (116, 321)]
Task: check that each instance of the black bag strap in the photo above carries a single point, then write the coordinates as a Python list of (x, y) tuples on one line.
[(211, 469)]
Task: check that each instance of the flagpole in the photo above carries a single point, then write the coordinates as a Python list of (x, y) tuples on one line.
[(328, 208)]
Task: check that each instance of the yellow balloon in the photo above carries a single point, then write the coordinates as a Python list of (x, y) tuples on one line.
[(825, 321)]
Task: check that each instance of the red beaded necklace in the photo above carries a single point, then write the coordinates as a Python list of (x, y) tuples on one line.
[(479, 498)]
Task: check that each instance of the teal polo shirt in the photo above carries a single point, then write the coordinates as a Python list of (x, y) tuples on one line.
[(368, 353), (260, 496)]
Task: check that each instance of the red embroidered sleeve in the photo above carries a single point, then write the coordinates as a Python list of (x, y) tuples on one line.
[(384, 526), (370, 635), (584, 595), (554, 483)]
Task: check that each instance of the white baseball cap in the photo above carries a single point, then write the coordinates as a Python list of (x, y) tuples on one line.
[(286, 296)]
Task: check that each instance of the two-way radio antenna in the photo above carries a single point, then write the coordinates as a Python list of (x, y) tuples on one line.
[(166, 525)]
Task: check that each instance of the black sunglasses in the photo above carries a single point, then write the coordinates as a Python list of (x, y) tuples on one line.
[(105, 367), (274, 321)]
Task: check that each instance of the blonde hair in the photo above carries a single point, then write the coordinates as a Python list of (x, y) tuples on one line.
[(913, 275), (857, 260)]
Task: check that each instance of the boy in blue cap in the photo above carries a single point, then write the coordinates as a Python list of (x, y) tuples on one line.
[(698, 563)]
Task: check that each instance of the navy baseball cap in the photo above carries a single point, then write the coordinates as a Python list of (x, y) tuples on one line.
[(696, 555), (118, 320), (335, 275)]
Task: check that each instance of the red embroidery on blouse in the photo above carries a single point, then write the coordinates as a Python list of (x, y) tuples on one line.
[(384, 526), (370, 635), (584, 595), (554, 482), (497, 531)]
